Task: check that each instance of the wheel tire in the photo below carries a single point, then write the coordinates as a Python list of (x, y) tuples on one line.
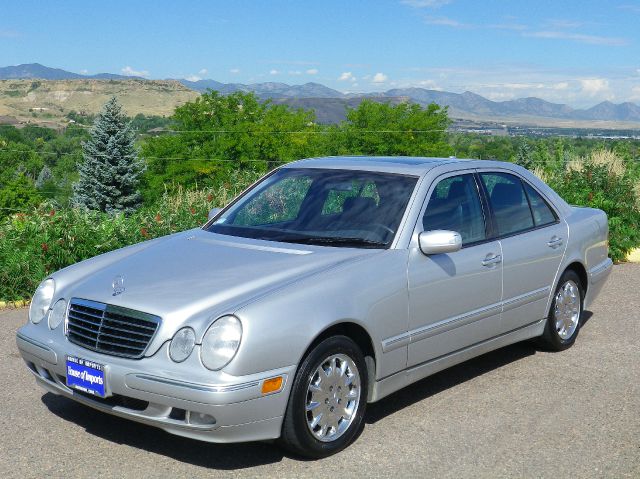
[(297, 435), (563, 322)]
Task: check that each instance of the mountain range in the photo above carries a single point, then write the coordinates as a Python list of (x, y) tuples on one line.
[(330, 104)]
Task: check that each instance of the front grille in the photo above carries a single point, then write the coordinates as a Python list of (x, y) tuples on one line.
[(110, 329)]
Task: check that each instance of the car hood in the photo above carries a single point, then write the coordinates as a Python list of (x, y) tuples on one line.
[(196, 276)]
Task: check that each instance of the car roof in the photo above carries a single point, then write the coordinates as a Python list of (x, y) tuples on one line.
[(412, 165)]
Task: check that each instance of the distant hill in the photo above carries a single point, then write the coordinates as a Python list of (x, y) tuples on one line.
[(49, 101), (35, 70), (329, 104), (267, 89)]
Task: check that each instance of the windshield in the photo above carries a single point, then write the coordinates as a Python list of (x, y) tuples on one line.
[(327, 207)]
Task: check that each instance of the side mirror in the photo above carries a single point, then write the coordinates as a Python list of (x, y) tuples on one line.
[(213, 212), (439, 241)]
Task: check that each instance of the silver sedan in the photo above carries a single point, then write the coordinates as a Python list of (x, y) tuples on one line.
[(327, 285)]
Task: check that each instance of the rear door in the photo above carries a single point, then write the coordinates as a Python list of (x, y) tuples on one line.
[(533, 241)]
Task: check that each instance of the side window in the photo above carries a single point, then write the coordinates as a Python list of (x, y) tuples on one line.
[(454, 205), (508, 202), (542, 212)]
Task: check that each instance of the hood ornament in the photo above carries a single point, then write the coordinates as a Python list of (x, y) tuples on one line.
[(118, 285)]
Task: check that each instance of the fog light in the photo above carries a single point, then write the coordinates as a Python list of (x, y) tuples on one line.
[(272, 385), (200, 419)]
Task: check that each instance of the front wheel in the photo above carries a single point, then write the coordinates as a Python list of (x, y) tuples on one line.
[(563, 323), (328, 399)]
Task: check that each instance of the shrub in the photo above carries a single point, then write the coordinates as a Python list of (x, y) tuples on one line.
[(603, 180)]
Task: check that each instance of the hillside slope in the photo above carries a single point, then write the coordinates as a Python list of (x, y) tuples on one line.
[(48, 101)]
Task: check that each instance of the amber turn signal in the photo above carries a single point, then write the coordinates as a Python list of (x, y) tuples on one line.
[(272, 385)]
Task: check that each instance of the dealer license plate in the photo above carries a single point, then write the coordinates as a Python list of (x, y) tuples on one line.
[(86, 376)]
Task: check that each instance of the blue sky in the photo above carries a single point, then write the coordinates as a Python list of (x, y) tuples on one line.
[(576, 52)]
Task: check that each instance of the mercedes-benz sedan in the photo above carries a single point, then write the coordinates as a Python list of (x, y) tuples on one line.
[(327, 285)]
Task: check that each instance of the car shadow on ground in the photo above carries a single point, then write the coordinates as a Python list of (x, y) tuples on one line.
[(240, 456)]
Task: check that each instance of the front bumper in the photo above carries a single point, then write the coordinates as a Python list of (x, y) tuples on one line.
[(156, 391)]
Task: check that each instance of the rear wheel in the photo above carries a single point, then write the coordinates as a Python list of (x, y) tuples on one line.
[(328, 399), (565, 314)]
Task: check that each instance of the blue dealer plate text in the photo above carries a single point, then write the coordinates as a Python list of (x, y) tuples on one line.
[(85, 376)]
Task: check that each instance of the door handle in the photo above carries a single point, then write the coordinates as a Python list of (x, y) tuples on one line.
[(555, 242), (490, 260)]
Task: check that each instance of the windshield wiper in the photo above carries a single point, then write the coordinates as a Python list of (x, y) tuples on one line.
[(333, 240)]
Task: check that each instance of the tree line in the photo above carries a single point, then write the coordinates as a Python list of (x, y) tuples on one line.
[(208, 140)]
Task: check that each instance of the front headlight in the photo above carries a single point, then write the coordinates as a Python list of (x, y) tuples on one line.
[(41, 301), (221, 342), (182, 344), (57, 313)]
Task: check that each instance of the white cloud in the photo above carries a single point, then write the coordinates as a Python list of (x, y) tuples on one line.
[(445, 22), (136, 73), (635, 93), (234, 71), (595, 87), (84, 71), (379, 78), (312, 71), (274, 72), (429, 84), (579, 37), (523, 86), (294, 72), (347, 76), (568, 24), (516, 27), (425, 3), (197, 77), (500, 96)]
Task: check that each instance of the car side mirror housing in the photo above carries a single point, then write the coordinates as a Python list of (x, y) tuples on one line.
[(213, 212), (439, 242)]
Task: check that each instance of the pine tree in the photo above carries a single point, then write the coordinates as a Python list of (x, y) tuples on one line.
[(44, 176), (111, 170)]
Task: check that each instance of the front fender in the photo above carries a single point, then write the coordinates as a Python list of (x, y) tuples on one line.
[(372, 293)]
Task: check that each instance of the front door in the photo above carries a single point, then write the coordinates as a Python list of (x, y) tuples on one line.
[(454, 299)]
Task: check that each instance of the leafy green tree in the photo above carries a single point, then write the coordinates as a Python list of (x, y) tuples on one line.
[(375, 128), (524, 157), (111, 171), (18, 194), (218, 134)]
